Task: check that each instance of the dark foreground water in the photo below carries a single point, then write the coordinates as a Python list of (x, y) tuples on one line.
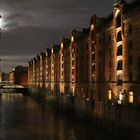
[(21, 118)]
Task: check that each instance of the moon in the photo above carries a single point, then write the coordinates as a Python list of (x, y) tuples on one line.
[(1, 22)]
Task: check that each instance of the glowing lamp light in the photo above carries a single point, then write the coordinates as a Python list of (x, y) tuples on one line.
[(119, 43), (131, 97), (46, 53), (117, 12), (92, 27), (72, 39), (52, 50), (62, 45), (119, 58), (119, 72)]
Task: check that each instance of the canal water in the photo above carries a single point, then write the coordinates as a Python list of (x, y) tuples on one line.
[(22, 118)]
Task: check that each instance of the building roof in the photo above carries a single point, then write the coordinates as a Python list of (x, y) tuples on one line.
[(65, 42), (80, 34), (55, 48), (48, 51), (131, 6), (117, 2)]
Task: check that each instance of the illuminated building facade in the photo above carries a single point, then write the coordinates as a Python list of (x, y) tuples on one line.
[(19, 75), (98, 66), (54, 69), (42, 70), (30, 74), (47, 69), (72, 63), (64, 58), (122, 60)]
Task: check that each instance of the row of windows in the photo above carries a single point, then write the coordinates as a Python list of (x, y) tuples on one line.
[(130, 96)]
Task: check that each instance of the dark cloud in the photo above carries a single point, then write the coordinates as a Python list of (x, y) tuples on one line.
[(33, 25)]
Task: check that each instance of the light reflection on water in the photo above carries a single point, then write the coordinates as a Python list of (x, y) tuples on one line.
[(11, 97), (21, 118)]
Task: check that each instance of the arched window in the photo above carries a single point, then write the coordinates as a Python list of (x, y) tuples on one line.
[(119, 50), (119, 36), (93, 57), (119, 76), (118, 21), (119, 79), (119, 66)]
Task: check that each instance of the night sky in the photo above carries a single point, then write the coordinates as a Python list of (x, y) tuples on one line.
[(30, 26)]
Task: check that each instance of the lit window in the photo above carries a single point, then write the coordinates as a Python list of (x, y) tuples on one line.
[(118, 20), (109, 95), (120, 96), (130, 97), (119, 65)]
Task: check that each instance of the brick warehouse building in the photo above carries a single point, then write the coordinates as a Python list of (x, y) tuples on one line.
[(97, 70)]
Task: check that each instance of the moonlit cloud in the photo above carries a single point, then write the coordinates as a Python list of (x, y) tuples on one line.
[(49, 13), (15, 57), (10, 61)]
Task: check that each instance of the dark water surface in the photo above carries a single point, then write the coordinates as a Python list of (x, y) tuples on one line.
[(21, 118)]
